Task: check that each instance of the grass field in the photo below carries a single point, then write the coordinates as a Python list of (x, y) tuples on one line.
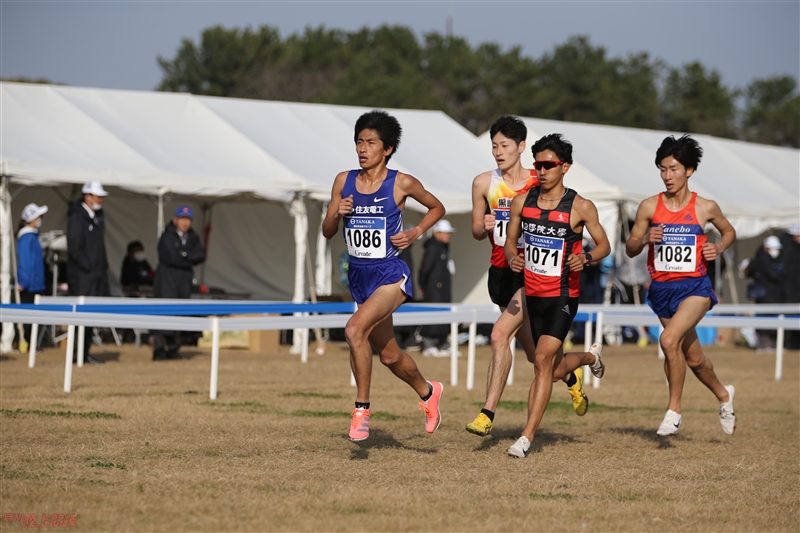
[(138, 446)]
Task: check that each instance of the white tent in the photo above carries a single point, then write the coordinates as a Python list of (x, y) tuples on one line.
[(251, 167), (623, 160), (615, 168), (239, 163)]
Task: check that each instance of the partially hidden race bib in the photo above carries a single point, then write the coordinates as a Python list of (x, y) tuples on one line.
[(502, 217), (544, 255), (675, 253), (365, 237)]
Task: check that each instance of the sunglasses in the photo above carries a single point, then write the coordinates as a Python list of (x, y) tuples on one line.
[(539, 165)]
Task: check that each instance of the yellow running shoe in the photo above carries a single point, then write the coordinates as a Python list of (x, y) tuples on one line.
[(480, 426), (579, 400)]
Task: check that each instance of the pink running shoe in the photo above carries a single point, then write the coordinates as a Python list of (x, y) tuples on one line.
[(359, 425), (432, 414)]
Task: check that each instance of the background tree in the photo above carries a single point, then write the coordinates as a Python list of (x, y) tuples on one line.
[(695, 101), (223, 61), (389, 67), (578, 83), (772, 112)]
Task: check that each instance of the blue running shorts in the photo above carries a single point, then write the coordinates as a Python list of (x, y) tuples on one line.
[(366, 278), (664, 297)]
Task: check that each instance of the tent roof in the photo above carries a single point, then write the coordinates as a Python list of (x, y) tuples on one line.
[(616, 163), (207, 146)]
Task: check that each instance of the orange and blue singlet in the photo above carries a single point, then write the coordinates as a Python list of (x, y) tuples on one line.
[(499, 199), (679, 254)]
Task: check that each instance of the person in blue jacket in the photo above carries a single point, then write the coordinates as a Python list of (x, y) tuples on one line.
[(30, 260)]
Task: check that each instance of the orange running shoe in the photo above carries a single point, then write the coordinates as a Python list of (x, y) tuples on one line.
[(432, 414), (359, 425)]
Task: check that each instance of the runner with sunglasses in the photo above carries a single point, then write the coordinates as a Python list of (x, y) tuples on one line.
[(671, 225), (492, 193), (550, 219)]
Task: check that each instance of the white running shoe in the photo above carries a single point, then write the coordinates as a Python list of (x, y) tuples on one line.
[(598, 368), (670, 424), (520, 448), (726, 415)]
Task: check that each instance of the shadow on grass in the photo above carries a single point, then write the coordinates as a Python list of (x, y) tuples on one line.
[(507, 437), (189, 354), (649, 434), (7, 358), (381, 439), (105, 356)]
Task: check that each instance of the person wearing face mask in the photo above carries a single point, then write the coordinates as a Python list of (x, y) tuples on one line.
[(136, 270), (179, 250), (768, 272), (30, 261), (87, 265)]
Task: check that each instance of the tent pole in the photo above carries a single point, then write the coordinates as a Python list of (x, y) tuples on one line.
[(161, 192), (300, 216), (5, 259)]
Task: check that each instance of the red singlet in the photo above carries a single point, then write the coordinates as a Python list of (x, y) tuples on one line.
[(679, 254)]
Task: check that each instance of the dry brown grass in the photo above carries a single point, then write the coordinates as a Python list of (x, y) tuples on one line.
[(271, 454)]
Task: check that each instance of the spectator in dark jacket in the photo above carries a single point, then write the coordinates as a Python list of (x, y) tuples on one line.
[(790, 256), (87, 266), (30, 261), (179, 250), (435, 282), (136, 270), (768, 272)]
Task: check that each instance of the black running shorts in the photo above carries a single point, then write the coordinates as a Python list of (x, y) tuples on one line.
[(551, 316), (503, 284)]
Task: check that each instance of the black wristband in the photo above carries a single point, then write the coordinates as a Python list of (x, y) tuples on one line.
[(588, 258)]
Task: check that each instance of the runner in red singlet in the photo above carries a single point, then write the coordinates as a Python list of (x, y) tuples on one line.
[(492, 193), (551, 219), (671, 225)]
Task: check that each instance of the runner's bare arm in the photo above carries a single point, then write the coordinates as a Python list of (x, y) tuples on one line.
[(587, 213), (515, 259), (727, 232), (642, 233), (409, 186), (337, 208), (482, 223)]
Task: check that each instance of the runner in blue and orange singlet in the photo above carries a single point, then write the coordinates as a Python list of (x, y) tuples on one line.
[(550, 219), (370, 200), (671, 225)]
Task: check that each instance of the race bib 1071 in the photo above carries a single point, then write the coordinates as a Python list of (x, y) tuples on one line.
[(544, 255)]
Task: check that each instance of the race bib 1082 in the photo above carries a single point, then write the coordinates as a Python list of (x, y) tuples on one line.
[(675, 253)]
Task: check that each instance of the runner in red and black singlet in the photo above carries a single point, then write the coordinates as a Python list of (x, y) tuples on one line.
[(551, 219), (671, 225), (549, 239), (492, 194)]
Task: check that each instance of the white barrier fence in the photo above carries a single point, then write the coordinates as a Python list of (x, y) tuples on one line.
[(595, 315)]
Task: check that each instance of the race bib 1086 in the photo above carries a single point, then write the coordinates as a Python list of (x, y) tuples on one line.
[(365, 237), (544, 255), (675, 253)]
